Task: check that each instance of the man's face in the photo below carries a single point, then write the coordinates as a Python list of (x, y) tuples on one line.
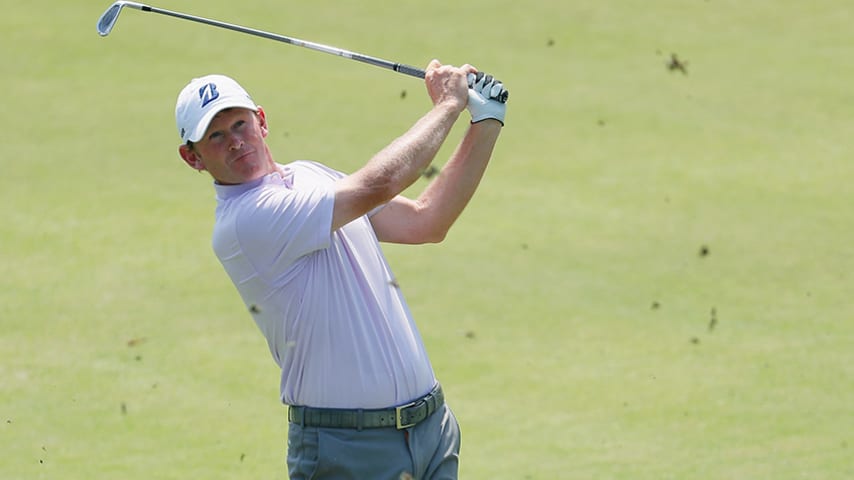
[(233, 149)]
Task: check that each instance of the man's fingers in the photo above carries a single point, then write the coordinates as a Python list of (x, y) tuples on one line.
[(434, 64), (487, 85)]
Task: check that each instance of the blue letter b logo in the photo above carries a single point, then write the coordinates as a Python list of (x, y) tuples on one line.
[(208, 94)]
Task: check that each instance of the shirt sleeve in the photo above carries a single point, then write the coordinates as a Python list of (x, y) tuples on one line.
[(284, 225)]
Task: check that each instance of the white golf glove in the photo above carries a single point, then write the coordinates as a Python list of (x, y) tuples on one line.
[(486, 98)]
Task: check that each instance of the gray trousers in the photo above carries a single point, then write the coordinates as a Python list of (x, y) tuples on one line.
[(427, 451)]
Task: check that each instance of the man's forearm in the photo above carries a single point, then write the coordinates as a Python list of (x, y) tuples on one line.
[(444, 199), (400, 164), (394, 168)]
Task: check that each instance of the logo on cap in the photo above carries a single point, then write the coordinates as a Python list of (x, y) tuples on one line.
[(208, 94)]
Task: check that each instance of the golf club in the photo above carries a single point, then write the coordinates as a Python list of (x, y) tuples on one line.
[(111, 15)]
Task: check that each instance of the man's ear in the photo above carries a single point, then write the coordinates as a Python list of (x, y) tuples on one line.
[(190, 157), (262, 122)]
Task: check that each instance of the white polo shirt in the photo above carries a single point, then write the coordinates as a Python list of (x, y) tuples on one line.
[(334, 319)]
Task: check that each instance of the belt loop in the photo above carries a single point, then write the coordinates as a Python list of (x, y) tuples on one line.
[(302, 418), (360, 419)]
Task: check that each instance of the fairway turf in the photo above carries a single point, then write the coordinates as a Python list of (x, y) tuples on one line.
[(653, 281)]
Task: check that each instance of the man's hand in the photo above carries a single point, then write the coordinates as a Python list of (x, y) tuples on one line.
[(485, 98), (482, 81), (447, 85)]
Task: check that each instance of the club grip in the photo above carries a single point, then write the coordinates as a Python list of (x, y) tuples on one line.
[(409, 70), (418, 73)]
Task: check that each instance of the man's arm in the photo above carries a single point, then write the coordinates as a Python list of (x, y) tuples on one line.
[(428, 219), (398, 165)]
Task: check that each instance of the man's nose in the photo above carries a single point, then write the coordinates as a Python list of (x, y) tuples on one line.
[(235, 142)]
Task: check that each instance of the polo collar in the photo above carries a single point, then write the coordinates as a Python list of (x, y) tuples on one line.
[(283, 177)]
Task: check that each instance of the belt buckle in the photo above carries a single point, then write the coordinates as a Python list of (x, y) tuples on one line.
[(397, 414)]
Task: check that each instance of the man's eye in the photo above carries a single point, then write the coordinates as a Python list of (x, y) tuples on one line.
[(239, 123), (214, 135)]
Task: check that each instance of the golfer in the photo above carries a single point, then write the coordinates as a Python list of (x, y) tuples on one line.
[(300, 242)]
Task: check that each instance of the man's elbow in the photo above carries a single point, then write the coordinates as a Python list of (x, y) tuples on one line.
[(431, 228), (422, 235), (434, 233), (436, 237)]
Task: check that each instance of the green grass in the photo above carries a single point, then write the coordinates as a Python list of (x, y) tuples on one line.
[(567, 313)]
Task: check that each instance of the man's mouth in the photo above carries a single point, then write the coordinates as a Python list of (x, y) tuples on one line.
[(240, 157)]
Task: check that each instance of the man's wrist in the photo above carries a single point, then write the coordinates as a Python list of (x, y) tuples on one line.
[(450, 109), (487, 126)]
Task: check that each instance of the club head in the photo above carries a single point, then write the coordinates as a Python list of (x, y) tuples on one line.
[(108, 19)]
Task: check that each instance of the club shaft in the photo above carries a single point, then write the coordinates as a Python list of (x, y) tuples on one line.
[(378, 62)]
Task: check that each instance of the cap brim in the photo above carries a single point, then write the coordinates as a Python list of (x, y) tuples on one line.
[(205, 121)]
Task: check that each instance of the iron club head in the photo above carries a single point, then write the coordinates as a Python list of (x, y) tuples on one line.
[(108, 19)]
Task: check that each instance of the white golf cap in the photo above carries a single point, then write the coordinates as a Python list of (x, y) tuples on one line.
[(203, 98)]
